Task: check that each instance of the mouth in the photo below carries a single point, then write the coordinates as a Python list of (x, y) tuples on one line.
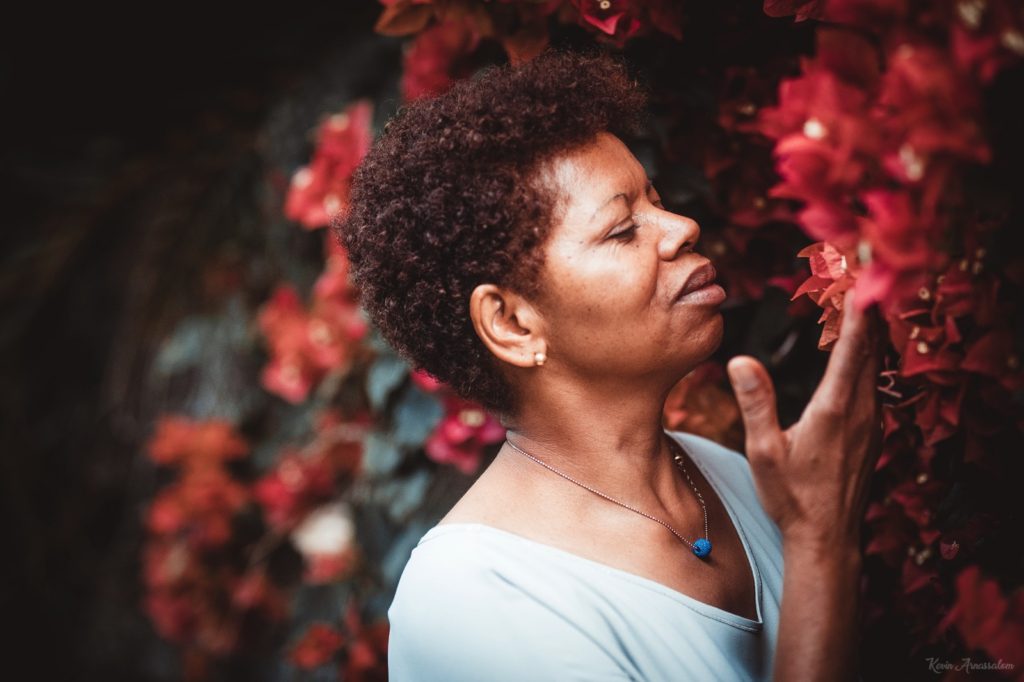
[(703, 277)]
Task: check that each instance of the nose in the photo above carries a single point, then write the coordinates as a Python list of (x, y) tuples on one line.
[(679, 234)]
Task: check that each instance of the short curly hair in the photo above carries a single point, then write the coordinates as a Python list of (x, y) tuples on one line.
[(450, 196)]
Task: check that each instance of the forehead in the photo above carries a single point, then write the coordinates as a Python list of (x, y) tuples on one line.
[(588, 177)]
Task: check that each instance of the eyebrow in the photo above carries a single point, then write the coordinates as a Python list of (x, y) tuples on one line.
[(621, 195)]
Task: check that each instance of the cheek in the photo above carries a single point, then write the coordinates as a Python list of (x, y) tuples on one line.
[(603, 297)]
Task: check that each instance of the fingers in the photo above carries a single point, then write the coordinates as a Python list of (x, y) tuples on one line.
[(756, 397), (851, 357)]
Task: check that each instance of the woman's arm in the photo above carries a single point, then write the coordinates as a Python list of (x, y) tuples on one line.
[(818, 618), (812, 480)]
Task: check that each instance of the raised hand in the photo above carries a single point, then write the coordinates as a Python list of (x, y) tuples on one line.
[(813, 477)]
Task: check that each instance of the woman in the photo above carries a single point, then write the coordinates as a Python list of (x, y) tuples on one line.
[(507, 242)]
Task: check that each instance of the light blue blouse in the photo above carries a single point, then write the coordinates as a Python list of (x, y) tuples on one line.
[(479, 603)]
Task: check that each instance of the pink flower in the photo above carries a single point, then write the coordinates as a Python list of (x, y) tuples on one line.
[(294, 487), (306, 345), (986, 618), (463, 432), (616, 21), (437, 58), (426, 381), (803, 9), (179, 440), (317, 646), (606, 16), (320, 190)]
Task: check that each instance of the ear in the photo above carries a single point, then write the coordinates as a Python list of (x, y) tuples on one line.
[(508, 324)]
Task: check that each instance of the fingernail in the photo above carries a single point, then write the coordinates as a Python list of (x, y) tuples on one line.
[(743, 377)]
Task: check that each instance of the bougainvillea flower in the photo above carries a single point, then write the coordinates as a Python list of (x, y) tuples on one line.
[(917, 573), (802, 9), (918, 497), (898, 239), (332, 331), (607, 15), (318, 645), (832, 273), (319, 191), (461, 435), (174, 615), (199, 505), (994, 356), (891, 532), (986, 618), (988, 37), (295, 486), (306, 345), (284, 322), (866, 13), (938, 414), (426, 381), (179, 440), (334, 282), (254, 591), (928, 108), (699, 404), (166, 562), (368, 647), (437, 58), (616, 21)]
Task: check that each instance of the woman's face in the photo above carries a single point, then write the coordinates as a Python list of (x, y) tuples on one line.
[(615, 263)]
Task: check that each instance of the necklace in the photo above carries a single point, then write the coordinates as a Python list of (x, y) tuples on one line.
[(702, 547)]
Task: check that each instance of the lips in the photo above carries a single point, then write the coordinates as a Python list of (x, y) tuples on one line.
[(702, 276)]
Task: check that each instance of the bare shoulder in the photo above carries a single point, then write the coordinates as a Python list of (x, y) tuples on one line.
[(492, 500)]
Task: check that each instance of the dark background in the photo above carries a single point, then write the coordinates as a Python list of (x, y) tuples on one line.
[(137, 145)]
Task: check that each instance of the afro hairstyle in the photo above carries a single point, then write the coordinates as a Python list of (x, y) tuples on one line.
[(451, 196)]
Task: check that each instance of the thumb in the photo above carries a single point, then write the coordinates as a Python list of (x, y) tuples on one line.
[(756, 397)]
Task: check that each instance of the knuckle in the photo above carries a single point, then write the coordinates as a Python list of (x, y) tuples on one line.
[(760, 453)]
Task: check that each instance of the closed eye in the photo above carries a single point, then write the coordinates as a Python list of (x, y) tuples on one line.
[(624, 235)]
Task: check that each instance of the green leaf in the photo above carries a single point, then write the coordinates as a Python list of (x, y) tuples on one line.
[(381, 455), (401, 497), (416, 416), (385, 374)]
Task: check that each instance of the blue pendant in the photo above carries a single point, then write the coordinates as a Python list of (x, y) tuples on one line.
[(702, 547)]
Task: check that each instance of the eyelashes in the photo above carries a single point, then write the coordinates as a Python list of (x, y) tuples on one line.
[(625, 235)]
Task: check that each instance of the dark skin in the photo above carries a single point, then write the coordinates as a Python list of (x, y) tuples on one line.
[(616, 341)]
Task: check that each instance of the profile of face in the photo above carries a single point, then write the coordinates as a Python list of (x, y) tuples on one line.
[(616, 262)]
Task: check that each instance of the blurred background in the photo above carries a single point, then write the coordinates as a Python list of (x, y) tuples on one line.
[(214, 468)]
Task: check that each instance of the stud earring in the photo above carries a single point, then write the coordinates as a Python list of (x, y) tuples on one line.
[(539, 358)]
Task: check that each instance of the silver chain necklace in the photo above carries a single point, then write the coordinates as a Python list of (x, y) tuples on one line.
[(701, 548)]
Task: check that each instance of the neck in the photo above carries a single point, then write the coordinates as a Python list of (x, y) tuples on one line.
[(611, 440)]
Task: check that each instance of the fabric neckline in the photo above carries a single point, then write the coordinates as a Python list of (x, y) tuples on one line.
[(703, 608)]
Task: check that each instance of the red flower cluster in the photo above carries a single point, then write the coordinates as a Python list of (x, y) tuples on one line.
[(987, 619), (306, 345), (877, 156), (519, 25), (436, 58), (199, 505), (189, 524), (300, 481), (319, 191), (616, 21), (700, 404), (317, 646), (460, 437), (364, 648)]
